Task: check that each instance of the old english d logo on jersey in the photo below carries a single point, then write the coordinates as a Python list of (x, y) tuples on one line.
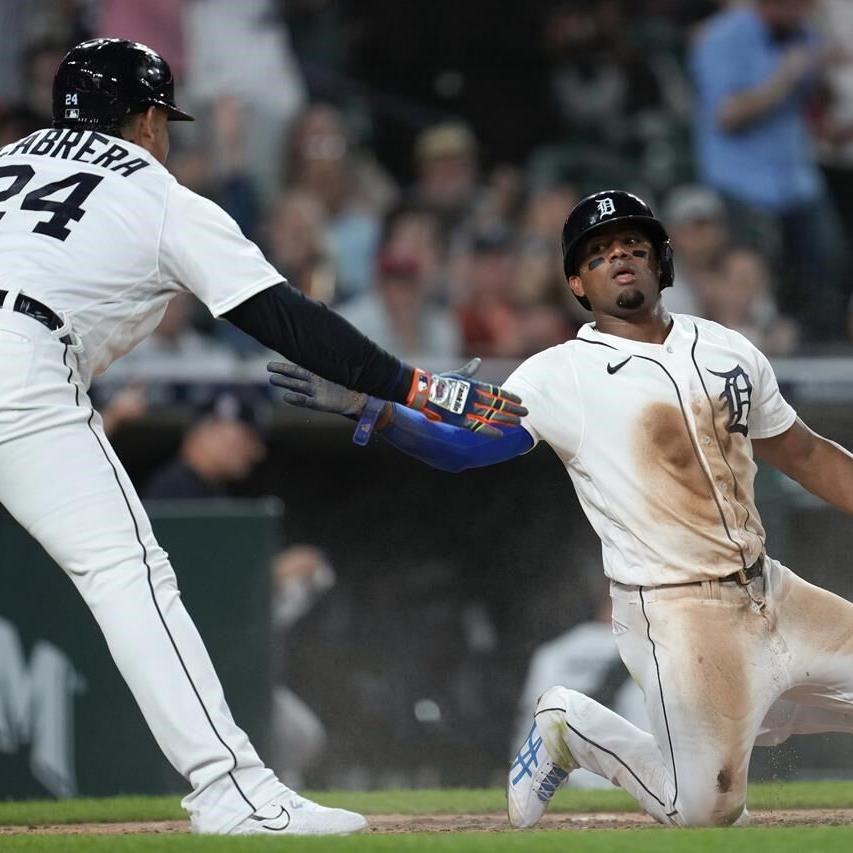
[(738, 396)]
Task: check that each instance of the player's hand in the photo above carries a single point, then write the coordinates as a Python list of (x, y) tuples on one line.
[(457, 399), (303, 388)]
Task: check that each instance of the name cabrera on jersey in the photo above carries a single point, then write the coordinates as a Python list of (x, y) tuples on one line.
[(657, 441), (98, 230)]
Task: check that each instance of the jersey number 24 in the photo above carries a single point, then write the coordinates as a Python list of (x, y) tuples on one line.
[(81, 185)]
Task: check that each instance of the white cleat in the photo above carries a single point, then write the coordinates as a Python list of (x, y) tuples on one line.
[(290, 814), (542, 765)]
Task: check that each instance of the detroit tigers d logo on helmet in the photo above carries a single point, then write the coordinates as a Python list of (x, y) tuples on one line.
[(605, 207), (102, 81)]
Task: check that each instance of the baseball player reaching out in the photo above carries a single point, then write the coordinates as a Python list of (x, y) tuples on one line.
[(656, 418), (95, 238)]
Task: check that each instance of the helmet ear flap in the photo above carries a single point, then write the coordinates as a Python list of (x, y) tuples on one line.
[(568, 271)]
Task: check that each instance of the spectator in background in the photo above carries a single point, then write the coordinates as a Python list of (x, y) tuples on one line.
[(160, 24), (754, 67), (219, 450), (25, 23), (447, 182), (176, 349), (414, 231), (296, 244), (216, 166), (35, 103), (301, 575), (835, 123), (320, 38), (716, 280), (397, 312), (485, 278), (157, 23), (354, 191), (16, 122), (295, 240), (13, 25), (551, 314), (124, 407), (400, 309), (242, 49), (509, 285), (502, 198), (617, 98)]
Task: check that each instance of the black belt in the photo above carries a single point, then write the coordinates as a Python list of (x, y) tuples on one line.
[(33, 308), (744, 576)]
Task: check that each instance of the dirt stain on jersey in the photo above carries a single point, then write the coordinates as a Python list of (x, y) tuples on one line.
[(729, 458), (678, 488)]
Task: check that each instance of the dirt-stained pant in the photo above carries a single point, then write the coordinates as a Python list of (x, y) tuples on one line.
[(61, 480), (723, 668)]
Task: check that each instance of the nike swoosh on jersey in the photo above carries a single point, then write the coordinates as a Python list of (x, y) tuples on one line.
[(268, 822), (611, 369)]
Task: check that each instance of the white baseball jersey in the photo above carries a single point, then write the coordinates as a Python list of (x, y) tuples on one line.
[(96, 229), (656, 439)]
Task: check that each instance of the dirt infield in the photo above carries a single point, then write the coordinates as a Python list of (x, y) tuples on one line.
[(385, 824)]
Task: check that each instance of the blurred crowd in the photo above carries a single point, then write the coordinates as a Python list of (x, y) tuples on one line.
[(426, 204)]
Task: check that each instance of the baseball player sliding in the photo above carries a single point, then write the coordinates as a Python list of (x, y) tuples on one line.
[(656, 418), (95, 238)]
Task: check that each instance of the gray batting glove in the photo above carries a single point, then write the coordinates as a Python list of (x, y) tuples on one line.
[(303, 388)]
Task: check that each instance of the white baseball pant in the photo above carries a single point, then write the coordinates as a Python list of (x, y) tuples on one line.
[(63, 483), (723, 667)]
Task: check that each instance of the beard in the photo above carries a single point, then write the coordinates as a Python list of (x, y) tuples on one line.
[(631, 299)]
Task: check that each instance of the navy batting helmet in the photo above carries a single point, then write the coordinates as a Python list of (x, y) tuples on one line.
[(102, 81), (601, 209)]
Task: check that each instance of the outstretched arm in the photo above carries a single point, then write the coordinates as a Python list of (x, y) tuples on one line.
[(307, 332), (231, 276), (438, 444), (816, 463), (450, 448)]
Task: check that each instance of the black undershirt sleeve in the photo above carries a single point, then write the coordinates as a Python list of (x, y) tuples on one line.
[(310, 335)]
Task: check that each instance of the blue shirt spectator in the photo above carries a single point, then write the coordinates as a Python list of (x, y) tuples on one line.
[(767, 160), (354, 239)]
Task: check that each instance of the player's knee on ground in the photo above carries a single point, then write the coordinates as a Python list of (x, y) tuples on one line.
[(710, 808)]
